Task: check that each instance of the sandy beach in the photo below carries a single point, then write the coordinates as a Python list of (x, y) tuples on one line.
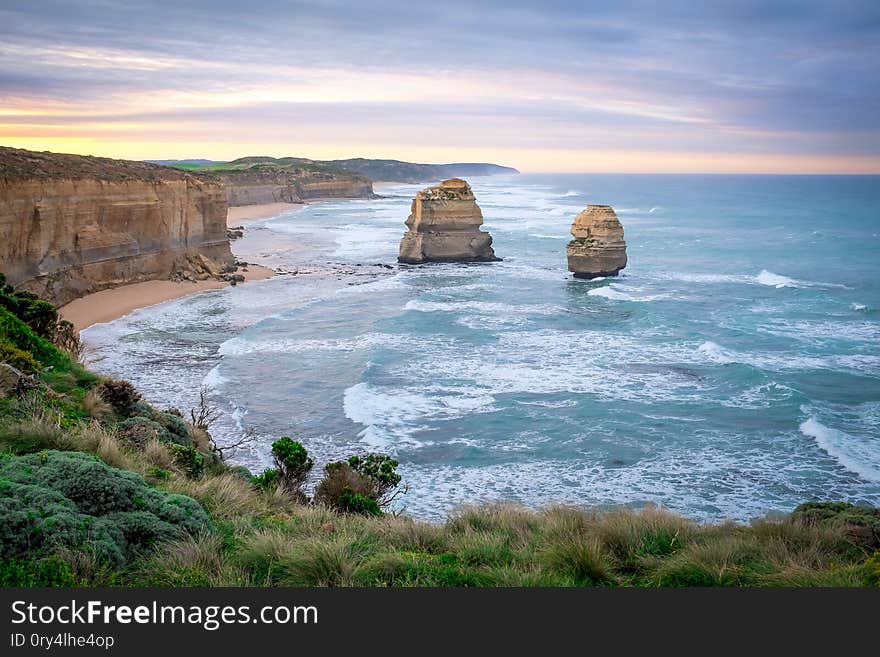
[(107, 305), (245, 213)]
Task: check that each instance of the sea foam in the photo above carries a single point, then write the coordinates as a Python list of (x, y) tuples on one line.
[(856, 454)]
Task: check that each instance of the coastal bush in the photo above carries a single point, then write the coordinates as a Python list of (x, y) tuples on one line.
[(340, 484), (138, 431), (861, 524), (50, 571), (51, 499), (267, 480), (20, 335), (381, 470), (293, 464), (872, 569), (188, 459), (350, 502), (121, 395), (18, 358), (176, 428)]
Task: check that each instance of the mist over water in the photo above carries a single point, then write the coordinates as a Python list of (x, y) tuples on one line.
[(732, 369)]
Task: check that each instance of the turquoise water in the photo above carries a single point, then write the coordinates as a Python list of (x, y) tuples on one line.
[(732, 369)]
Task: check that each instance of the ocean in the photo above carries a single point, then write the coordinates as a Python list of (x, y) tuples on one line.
[(731, 370)]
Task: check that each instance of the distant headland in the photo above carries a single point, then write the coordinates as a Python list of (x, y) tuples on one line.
[(375, 170)]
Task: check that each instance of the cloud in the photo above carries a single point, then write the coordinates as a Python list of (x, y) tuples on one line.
[(738, 77)]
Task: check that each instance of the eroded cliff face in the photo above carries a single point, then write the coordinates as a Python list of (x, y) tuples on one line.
[(71, 225), (598, 247), (279, 185), (444, 226)]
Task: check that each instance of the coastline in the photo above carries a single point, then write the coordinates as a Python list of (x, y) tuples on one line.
[(241, 214), (108, 305), (114, 303)]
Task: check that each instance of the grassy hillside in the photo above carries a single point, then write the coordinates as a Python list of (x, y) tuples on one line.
[(98, 488), (386, 170)]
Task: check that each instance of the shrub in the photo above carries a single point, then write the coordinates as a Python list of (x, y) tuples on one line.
[(176, 428), (121, 395), (266, 480), (138, 431), (50, 500), (860, 524), (381, 470), (293, 464), (350, 502), (40, 315), (18, 358), (872, 568), (189, 460), (51, 571), (20, 335), (340, 479)]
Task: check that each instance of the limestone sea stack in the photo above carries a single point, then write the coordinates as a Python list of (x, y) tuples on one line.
[(598, 248), (444, 226)]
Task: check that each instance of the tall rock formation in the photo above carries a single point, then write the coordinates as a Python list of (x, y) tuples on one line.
[(598, 248), (444, 226), (71, 225)]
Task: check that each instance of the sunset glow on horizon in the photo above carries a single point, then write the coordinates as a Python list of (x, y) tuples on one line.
[(595, 87)]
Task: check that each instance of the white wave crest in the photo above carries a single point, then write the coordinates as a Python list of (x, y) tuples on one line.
[(390, 416), (856, 454), (241, 346), (775, 280), (482, 307), (214, 380), (716, 353), (772, 279), (616, 294)]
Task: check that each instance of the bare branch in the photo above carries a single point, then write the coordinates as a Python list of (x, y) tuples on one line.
[(204, 415), (250, 435)]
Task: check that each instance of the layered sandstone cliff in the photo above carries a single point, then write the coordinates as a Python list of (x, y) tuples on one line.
[(598, 248), (71, 225), (444, 226), (278, 184)]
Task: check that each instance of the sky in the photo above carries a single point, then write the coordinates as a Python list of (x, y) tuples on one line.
[(606, 86)]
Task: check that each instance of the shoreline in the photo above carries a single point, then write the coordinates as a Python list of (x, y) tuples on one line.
[(116, 302), (243, 214)]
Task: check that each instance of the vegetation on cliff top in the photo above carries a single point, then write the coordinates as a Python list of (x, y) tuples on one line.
[(98, 488), (20, 164), (387, 170)]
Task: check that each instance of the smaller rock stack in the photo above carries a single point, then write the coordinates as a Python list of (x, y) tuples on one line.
[(598, 248), (444, 226)]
